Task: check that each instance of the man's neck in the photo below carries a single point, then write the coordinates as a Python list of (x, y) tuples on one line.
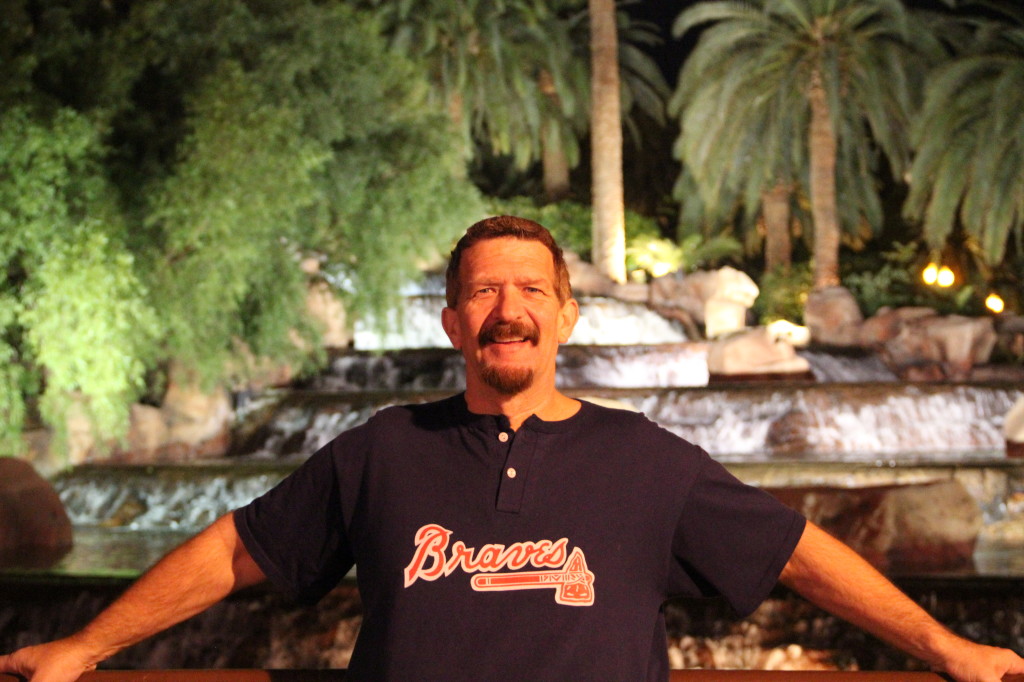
[(549, 405)]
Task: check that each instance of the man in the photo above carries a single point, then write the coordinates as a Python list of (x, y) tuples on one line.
[(512, 532)]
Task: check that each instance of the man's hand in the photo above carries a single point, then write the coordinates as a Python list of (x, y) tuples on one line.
[(191, 578), (63, 660), (966, 661), (833, 576)]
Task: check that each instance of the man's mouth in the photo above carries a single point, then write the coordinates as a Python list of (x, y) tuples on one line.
[(508, 333)]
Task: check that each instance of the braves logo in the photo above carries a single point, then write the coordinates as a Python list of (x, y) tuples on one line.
[(569, 576)]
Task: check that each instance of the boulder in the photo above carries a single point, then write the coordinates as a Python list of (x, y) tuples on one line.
[(717, 298), (198, 422), (585, 278), (34, 527), (932, 526), (1013, 429), (681, 292), (887, 323), (148, 430), (754, 351), (324, 306), (953, 343), (833, 316)]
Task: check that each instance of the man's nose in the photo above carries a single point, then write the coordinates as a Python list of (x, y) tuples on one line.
[(510, 304)]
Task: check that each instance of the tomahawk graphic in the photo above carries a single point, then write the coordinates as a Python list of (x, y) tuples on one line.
[(573, 583)]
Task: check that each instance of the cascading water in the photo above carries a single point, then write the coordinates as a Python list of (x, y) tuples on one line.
[(854, 426)]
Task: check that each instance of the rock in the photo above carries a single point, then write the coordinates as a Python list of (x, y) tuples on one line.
[(719, 298), (952, 342), (726, 310), (148, 430), (198, 423), (754, 351), (81, 441), (833, 316), (585, 278), (1013, 429), (633, 292), (327, 309), (788, 434), (932, 526), (34, 528), (685, 292), (887, 323)]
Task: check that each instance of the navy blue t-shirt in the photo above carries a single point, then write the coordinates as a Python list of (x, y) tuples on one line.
[(543, 554)]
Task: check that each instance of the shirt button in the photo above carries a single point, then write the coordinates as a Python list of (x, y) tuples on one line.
[(511, 472), (503, 437)]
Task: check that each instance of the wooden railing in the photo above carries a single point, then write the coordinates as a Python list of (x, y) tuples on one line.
[(339, 676)]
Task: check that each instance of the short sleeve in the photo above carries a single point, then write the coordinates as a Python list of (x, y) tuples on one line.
[(733, 538), (296, 531)]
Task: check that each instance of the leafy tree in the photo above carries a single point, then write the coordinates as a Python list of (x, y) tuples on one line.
[(72, 305), (781, 94), (164, 166), (504, 71), (969, 140)]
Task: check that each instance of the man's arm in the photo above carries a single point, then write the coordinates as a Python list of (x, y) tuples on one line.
[(834, 577), (188, 580)]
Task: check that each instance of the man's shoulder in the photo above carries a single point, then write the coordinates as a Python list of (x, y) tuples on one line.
[(429, 415), (622, 420)]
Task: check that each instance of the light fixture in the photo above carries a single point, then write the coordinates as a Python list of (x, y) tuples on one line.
[(945, 278), (994, 302), (930, 274)]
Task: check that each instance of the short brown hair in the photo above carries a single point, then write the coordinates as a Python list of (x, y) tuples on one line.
[(506, 226)]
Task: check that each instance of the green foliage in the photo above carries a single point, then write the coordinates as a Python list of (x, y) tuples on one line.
[(893, 280), (891, 284), (89, 324), (658, 257), (505, 71), (570, 222), (783, 293), (743, 106), (969, 168), (73, 315), (177, 162)]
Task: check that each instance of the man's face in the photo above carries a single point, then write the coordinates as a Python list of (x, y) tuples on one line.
[(508, 321)]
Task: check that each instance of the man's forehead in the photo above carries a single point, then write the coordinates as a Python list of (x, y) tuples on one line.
[(499, 254)]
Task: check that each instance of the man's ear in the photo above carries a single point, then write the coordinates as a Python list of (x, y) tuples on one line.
[(567, 319), (450, 322)]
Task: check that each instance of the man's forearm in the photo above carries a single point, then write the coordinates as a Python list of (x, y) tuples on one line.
[(834, 577), (188, 580)]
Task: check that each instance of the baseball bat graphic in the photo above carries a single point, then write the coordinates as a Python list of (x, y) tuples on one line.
[(573, 583)]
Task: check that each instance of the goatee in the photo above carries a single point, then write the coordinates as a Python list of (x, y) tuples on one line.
[(508, 380)]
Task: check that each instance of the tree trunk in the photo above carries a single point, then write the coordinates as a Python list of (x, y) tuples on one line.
[(555, 166), (609, 232), (778, 249), (822, 144), (554, 161)]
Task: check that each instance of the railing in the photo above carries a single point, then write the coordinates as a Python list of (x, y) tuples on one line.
[(339, 676)]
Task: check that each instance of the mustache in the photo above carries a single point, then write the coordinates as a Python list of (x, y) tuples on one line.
[(508, 330)]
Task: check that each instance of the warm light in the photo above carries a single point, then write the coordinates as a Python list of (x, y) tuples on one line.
[(995, 303), (930, 274), (660, 269), (945, 277), (793, 334)]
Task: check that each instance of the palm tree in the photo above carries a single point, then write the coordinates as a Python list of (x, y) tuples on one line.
[(969, 142), (609, 221), (504, 71), (787, 93)]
